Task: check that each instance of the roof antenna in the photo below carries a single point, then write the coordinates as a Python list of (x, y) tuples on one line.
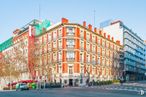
[(39, 10), (94, 18)]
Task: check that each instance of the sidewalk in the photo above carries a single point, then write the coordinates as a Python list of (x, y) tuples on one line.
[(6, 90), (138, 83)]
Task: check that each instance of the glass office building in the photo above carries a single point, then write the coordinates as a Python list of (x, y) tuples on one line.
[(133, 48)]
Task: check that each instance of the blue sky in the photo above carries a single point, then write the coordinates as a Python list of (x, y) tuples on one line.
[(16, 13)]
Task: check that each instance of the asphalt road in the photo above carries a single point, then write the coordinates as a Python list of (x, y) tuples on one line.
[(100, 91)]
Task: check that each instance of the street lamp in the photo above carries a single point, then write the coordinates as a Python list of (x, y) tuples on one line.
[(145, 75), (61, 79), (10, 79), (88, 80)]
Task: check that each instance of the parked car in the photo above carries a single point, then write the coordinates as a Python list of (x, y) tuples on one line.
[(83, 85), (21, 86)]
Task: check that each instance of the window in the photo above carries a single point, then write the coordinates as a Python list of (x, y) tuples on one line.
[(88, 47), (98, 50), (98, 60), (103, 43), (107, 44), (81, 57), (60, 32), (60, 56), (82, 45), (49, 46), (70, 70), (93, 38), (65, 81), (88, 58), (107, 53), (54, 56), (70, 43), (70, 31), (45, 38), (60, 69), (54, 35), (111, 46), (54, 45), (103, 52), (81, 34), (107, 62), (93, 60), (82, 69), (98, 41), (49, 58), (60, 44), (49, 37), (70, 55), (93, 48), (103, 61), (88, 36)]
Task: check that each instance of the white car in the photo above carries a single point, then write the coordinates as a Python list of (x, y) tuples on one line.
[(83, 85), (22, 86)]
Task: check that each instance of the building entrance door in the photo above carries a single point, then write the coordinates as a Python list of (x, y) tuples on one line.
[(70, 82)]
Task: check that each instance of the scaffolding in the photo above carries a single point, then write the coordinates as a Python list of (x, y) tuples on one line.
[(38, 25), (6, 44)]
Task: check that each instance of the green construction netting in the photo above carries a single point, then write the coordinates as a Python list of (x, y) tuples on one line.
[(39, 30), (6, 44), (39, 27)]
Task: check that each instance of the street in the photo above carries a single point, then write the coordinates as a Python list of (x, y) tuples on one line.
[(96, 91)]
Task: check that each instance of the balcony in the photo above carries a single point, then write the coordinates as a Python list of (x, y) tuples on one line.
[(60, 36), (134, 58), (70, 75), (70, 47), (70, 34), (129, 63), (82, 36), (88, 50), (60, 60), (70, 59), (107, 56), (60, 47), (82, 48), (94, 62), (98, 53), (93, 51), (88, 62), (81, 60)]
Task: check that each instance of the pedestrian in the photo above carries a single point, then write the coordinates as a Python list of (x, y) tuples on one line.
[(121, 80), (141, 92)]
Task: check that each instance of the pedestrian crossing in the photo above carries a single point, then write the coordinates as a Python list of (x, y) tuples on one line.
[(124, 88)]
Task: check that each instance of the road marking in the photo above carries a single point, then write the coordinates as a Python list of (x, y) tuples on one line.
[(134, 89)]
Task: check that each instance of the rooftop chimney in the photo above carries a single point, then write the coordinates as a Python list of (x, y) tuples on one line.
[(105, 35), (108, 37), (64, 20), (112, 38), (118, 42), (95, 29), (16, 31), (90, 27), (100, 32), (84, 23)]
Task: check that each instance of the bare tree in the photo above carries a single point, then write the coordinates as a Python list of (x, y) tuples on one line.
[(37, 58), (13, 63), (8, 68)]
